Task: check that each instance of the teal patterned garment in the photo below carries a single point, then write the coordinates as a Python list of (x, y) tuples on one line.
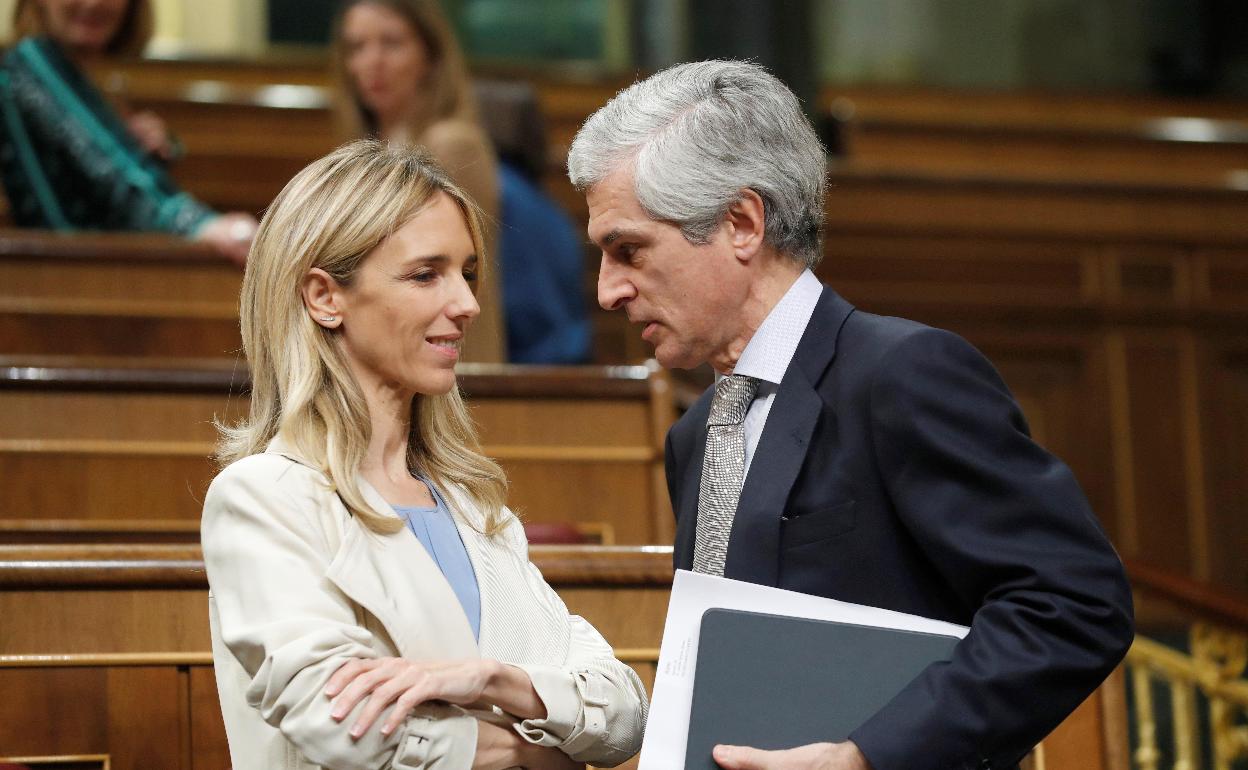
[(67, 160)]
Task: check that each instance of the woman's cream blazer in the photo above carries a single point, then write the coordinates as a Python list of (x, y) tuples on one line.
[(298, 587)]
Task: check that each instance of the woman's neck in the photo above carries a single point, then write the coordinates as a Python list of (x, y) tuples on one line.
[(403, 125), (390, 415)]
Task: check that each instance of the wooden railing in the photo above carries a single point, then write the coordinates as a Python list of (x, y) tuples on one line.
[(1208, 676)]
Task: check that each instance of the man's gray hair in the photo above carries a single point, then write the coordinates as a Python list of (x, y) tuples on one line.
[(698, 134)]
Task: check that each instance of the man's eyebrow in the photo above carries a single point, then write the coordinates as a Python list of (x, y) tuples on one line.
[(617, 234)]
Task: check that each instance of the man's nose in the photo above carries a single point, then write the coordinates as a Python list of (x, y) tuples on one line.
[(614, 288)]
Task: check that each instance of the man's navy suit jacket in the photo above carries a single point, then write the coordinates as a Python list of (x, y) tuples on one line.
[(896, 470)]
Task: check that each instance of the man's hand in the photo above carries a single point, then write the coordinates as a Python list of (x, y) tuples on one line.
[(816, 756)]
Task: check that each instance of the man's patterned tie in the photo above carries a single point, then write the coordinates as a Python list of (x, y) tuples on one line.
[(723, 471)]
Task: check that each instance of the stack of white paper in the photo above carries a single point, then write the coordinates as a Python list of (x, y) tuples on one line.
[(667, 727)]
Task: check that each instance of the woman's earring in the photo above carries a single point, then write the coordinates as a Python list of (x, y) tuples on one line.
[(329, 318)]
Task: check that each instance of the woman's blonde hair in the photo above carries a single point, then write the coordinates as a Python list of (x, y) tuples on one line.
[(130, 39), (331, 216), (447, 92)]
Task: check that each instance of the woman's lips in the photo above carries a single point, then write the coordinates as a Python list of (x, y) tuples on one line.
[(448, 348)]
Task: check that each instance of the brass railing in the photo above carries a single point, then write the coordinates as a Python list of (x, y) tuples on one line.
[(1209, 677)]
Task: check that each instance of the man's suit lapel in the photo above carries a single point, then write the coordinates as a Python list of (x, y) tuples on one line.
[(687, 514), (753, 548)]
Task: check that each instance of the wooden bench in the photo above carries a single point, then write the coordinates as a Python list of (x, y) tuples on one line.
[(102, 623), (88, 442), (110, 654), (1050, 137), (115, 294)]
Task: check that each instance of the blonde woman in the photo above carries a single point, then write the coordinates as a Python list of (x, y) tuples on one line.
[(400, 77), (372, 604)]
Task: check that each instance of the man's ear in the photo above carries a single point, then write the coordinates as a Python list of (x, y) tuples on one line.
[(322, 297), (747, 223)]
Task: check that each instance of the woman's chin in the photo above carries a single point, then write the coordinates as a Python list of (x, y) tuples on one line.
[(436, 384)]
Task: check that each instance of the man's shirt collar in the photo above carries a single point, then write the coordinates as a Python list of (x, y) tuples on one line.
[(770, 350)]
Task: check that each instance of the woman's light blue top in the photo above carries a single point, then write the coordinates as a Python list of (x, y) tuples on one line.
[(435, 529)]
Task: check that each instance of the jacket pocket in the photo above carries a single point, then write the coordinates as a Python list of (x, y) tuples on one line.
[(820, 524)]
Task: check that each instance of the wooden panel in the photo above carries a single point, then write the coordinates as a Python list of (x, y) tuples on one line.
[(209, 748), (1222, 278), (1148, 276), (103, 621), (1060, 383), (1226, 437), (191, 287), (116, 416), (103, 486), (96, 333), (131, 714), (1053, 109), (858, 200), (1152, 441), (628, 616), (899, 268), (616, 493), (98, 531), (563, 422), (1080, 740), (1031, 151), (120, 293)]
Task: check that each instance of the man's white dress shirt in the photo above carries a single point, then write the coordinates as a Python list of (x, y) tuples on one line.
[(769, 352)]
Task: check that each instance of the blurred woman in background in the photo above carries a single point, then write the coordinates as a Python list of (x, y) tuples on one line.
[(401, 77), (68, 159)]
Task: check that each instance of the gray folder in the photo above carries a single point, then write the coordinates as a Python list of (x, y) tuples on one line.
[(775, 682)]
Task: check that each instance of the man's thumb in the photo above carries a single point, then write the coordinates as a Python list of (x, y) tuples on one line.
[(739, 757)]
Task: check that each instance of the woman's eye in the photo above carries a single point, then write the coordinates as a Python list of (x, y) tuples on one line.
[(425, 276), (470, 276)]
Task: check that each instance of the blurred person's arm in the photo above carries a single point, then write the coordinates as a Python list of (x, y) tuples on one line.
[(75, 166)]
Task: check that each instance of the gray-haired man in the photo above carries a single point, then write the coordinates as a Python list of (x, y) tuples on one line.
[(869, 459)]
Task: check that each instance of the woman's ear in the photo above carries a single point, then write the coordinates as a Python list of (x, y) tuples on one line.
[(322, 296), (747, 220)]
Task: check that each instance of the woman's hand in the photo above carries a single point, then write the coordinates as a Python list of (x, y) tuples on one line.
[(152, 134), (406, 684), (230, 236)]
